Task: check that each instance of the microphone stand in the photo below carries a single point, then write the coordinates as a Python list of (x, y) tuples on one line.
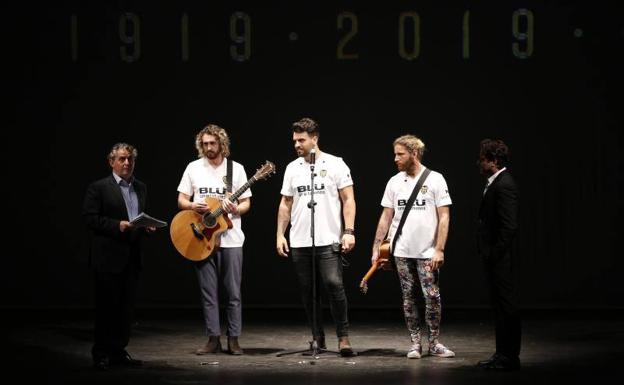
[(314, 350)]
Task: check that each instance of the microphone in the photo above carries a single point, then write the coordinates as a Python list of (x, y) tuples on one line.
[(313, 156)]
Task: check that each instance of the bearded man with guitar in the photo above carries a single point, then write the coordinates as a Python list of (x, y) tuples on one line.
[(221, 273), (417, 239)]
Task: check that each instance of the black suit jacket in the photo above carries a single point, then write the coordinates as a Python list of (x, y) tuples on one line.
[(111, 250), (498, 218)]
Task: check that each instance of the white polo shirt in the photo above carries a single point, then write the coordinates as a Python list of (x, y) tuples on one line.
[(201, 180), (419, 231), (332, 174)]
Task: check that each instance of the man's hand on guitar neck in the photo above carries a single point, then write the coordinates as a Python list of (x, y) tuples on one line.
[(382, 262), (229, 207), (375, 256)]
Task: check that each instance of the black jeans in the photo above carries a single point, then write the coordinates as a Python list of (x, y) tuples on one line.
[(328, 277)]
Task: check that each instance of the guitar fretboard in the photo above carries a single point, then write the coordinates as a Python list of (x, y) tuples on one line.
[(235, 196)]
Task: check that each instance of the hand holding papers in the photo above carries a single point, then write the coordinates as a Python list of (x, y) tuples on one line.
[(144, 220)]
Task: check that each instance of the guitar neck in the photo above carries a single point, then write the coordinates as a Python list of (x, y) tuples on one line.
[(243, 188), (235, 196), (371, 272)]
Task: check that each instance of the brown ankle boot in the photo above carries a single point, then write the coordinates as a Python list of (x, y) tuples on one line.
[(344, 347), (233, 346), (212, 346)]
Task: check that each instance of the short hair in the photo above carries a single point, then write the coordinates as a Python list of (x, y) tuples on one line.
[(412, 143), (306, 125), (217, 132), (495, 150), (122, 146)]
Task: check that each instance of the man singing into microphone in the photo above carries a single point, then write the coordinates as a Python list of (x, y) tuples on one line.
[(332, 185)]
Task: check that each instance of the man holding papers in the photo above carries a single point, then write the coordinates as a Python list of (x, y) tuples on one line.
[(144, 220), (115, 254)]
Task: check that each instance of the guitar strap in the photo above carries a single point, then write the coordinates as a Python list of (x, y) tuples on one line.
[(228, 176), (408, 207)]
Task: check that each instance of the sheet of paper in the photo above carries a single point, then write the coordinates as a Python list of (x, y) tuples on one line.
[(144, 220)]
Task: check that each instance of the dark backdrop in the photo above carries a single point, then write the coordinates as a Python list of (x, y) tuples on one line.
[(550, 86)]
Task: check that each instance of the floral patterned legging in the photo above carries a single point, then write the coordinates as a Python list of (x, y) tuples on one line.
[(408, 269)]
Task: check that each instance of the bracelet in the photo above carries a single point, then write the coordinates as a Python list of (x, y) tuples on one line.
[(348, 231)]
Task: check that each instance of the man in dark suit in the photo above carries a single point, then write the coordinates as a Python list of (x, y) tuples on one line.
[(497, 226), (115, 254)]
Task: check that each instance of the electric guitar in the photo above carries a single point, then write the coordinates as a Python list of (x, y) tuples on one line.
[(384, 255), (197, 236)]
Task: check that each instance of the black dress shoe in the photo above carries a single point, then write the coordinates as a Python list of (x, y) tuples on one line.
[(101, 363), (502, 363), (488, 361), (126, 360)]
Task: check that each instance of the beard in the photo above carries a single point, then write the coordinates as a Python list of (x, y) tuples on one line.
[(405, 166), (485, 171), (210, 154)]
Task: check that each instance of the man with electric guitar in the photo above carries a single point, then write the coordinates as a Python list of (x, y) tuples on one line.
[(219, 270), (417, 239)]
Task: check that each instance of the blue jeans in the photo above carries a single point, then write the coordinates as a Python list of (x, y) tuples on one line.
[(328, 277)]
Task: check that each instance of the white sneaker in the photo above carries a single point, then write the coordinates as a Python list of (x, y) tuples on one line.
[(415, 351), (440, 350)]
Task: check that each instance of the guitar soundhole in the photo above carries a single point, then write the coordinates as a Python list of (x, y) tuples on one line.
[(209, 220)]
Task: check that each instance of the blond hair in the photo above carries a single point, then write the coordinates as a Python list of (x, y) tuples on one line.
[(412, 143)]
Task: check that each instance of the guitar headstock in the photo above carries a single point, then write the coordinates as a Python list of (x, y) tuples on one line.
[(265, 171), (364, 287)]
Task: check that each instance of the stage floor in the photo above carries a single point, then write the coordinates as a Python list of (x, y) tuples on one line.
[(558, 347)]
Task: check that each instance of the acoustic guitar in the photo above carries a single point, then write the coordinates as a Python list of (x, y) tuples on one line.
[(197, 236), (384, 255)]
